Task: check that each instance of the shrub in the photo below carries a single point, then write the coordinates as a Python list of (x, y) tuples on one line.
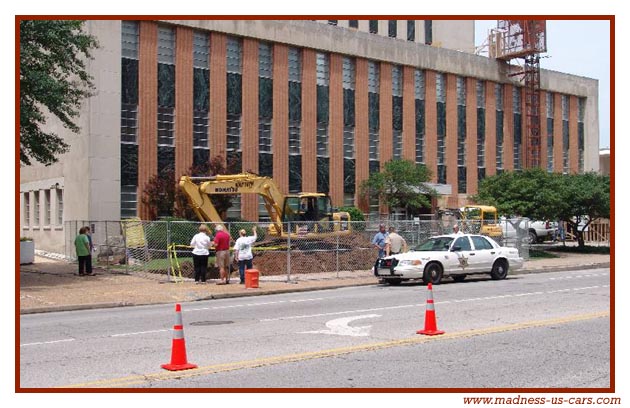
[(356, 217), (236, 224)]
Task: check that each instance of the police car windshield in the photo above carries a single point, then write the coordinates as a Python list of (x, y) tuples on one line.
[(435, 244)]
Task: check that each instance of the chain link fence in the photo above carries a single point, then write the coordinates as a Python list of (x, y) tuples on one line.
[(160, 249)]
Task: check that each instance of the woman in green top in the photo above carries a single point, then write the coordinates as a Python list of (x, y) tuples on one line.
[(82, 246)]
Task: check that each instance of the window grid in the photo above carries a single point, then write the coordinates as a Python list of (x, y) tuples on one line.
[(397, 81), (373, 28), (348, 142), (234, 55), (166, 128), (411, 30), (47, 207), (59, 193), (128, 201), (516, 100), (349, 75), (549, 98), (128, 123), (265, 144), (374, 145), (295, 65), (420, 147), (201, 50), (36, 209), (200, 129), (392, 28), (295, 147), (419, 83), (461, 91), (323, 69), (322, 140), (373, 77), (481, 94), (353, 23), (130, 39), (440, 87), (265, 60), (397, 142), (233, 130), (27, 208), (166, 45), (565, 107), (498, 94)]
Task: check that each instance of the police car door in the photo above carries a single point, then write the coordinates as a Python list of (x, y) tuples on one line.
[(462, 249)]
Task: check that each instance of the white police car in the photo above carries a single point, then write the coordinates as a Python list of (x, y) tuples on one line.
[(454, 255)]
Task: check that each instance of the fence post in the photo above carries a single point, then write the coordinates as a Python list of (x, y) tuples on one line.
[(168, 245), (337, 253), (288, 251)]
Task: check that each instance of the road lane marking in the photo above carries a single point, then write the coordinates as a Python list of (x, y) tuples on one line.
[(142, 332), (340, 327), (445, 302), (129, 381), (278, 302), (46, 342)]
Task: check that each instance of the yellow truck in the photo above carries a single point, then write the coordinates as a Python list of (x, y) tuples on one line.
[(481, 219), (307, 214)]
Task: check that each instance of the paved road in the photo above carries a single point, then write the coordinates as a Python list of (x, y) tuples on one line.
[(541, 330)]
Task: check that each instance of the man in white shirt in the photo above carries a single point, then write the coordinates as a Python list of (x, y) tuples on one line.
[(243, 251), (456, 230)]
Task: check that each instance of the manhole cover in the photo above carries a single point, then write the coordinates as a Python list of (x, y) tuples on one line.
[(211, 323)]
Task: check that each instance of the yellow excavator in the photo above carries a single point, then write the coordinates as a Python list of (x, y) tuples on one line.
[(307, 214)]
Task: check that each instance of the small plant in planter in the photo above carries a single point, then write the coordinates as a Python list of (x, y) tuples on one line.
[(27, 250)]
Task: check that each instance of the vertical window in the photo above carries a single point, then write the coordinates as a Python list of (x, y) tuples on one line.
[(397, 110), (440, 85), (565, 134), (461, 135), (36, 208), (419, 90), (373, 128), (201, 102), (349, 82), (166, 102), (411, 30), (428, 32), (323, 109), (59, 193), (498, 93), (518, 127), (295, 120), (581, 111), (550, 111), (27, 209), (128, 119), (234, 69), (481, 130), (265, 112), (47, 208), (353, 23), (392, 28), (373, 26), (332, 22)]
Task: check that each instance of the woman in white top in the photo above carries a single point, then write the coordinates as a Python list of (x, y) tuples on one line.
[(243, 251), (200, 243)]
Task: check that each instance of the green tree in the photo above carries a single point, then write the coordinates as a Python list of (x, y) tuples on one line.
[(53, 81), (401, 184), (539, 195)]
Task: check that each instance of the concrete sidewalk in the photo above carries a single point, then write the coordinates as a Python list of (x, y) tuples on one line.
[(50, 285)]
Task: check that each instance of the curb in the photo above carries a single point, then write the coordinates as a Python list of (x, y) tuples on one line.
[(295, 289)]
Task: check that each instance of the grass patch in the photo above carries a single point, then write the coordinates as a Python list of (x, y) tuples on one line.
[(540, 254), (587, 249)]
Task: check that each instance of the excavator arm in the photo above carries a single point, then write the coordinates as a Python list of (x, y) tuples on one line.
[(244, 183)]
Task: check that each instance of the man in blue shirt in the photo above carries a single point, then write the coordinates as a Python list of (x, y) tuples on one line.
[(379, 240)]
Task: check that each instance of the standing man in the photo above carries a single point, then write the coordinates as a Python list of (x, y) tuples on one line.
[(394, 243), (82, 246), (243, 251), (222, 248), (379, 240), (456, 230)]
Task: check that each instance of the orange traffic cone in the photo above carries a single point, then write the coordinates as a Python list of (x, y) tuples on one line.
[(430, 325), (178, 353)]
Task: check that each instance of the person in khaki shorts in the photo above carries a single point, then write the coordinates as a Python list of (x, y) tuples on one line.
[(222, 248)]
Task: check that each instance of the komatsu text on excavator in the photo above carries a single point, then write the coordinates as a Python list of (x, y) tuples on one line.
[(305, 213)]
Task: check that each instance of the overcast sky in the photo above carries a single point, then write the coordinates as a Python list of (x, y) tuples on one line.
[(580, 47)]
